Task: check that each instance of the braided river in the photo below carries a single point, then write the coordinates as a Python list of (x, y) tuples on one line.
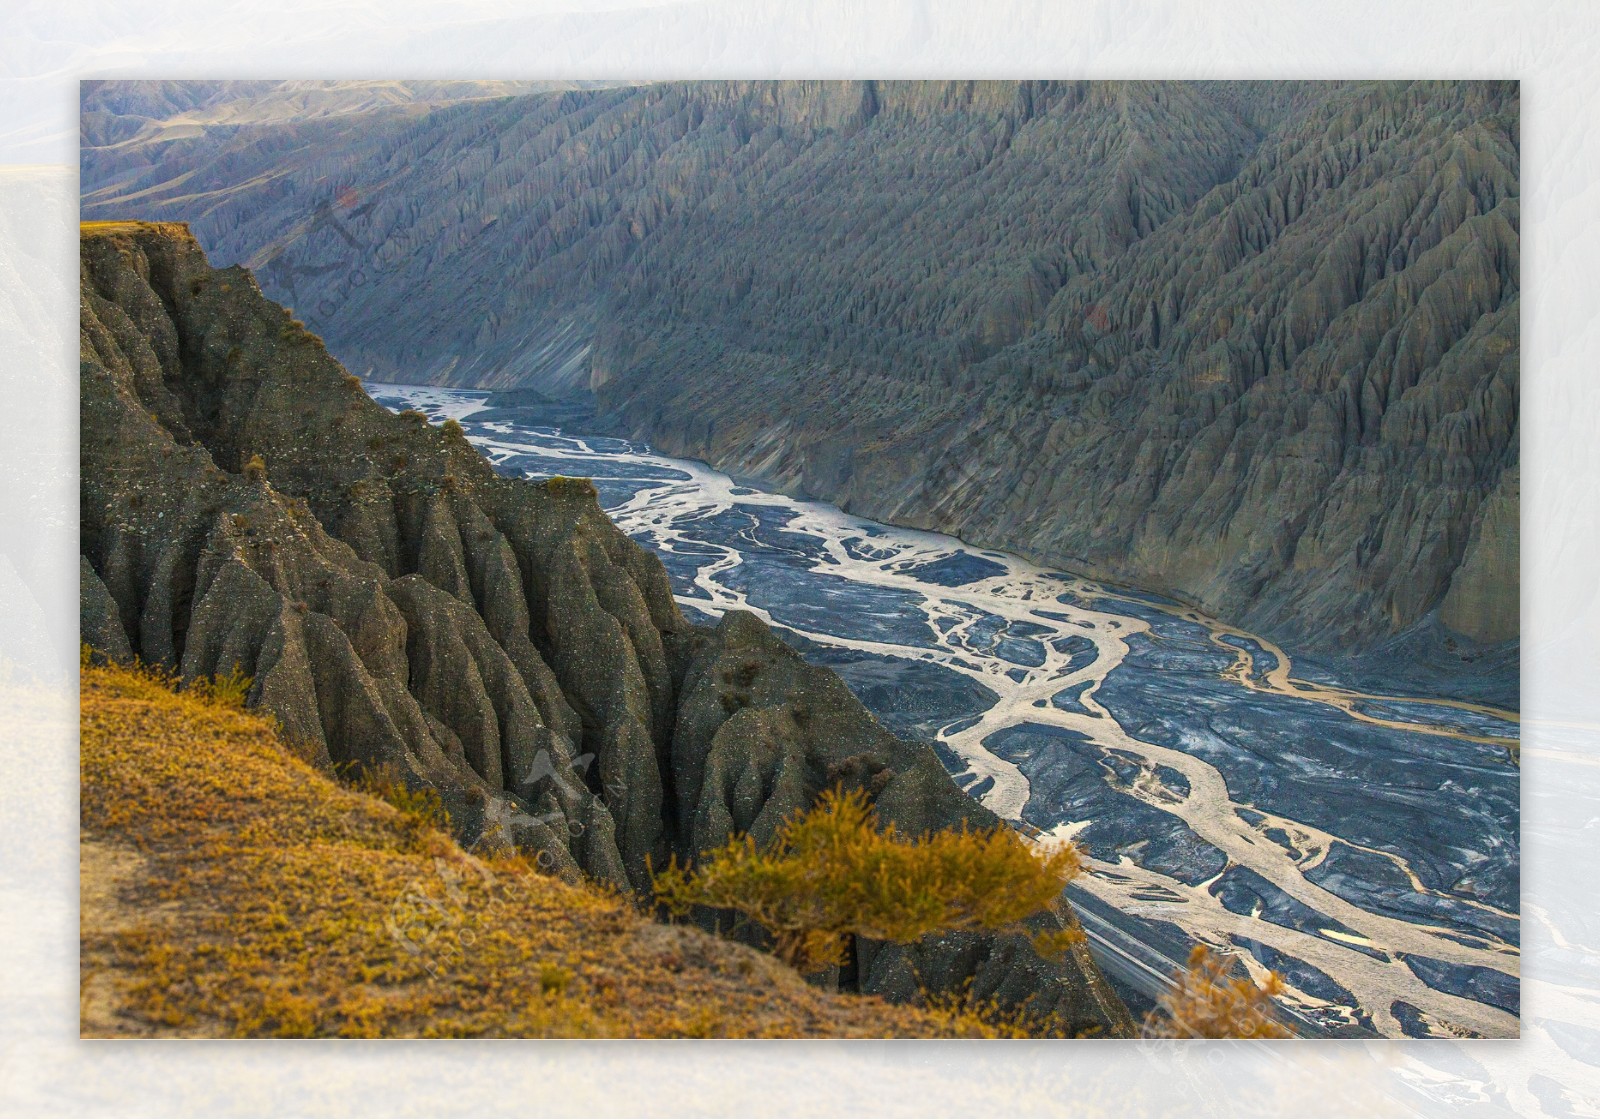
[(1364, 847)]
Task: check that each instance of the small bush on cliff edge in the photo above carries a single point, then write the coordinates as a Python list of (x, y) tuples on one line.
[(831, 873), (226, 690), (420, 806), (560, 486)]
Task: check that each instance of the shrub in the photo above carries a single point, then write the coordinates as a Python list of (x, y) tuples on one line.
[(1205, 1002), (255, 469), (226, 690), (830, 873), (421, 807), (452, 428), (553, 978), (965, 1015), (561, 486)]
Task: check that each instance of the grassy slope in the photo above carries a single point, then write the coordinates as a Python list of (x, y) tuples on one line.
[(228, 888)]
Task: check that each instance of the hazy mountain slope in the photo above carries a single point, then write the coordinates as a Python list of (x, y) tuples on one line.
[(245, 505), (113, 111), (1251, 344)]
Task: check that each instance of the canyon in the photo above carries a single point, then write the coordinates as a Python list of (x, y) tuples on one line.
[(1251, 345), (401, 608)]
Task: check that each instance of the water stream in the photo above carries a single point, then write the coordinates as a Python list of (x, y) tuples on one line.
[(1363, 846)]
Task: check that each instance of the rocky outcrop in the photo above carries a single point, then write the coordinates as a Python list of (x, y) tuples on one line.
[(397, 604), (1250, 344)]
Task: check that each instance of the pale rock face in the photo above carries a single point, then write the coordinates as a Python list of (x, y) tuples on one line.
[(1250, 344), (397, 603)]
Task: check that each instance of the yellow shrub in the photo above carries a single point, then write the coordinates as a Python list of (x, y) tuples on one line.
[(1206, 1002), (831, 872), (422, 805), (226, 690)]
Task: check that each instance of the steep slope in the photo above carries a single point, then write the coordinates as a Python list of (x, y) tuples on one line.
[(398, 605), (1295, 404), (1251, 344), (199, 829)]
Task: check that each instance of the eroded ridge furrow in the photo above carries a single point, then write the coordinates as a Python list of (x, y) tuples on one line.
[(400, 607), (1080, 641)]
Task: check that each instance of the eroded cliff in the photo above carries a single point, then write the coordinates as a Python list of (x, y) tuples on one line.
[(396, 603)]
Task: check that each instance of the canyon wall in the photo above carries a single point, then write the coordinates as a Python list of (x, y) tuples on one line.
[(1254, 345), (398, 606)]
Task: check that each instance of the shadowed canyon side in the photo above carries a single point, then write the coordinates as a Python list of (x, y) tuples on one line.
[(1250, 344), (399, 604)]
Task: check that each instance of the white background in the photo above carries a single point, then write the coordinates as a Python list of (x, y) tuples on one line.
[(45, 48)]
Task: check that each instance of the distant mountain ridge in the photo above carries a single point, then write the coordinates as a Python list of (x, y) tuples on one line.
[(113, 112), (1250, 344)]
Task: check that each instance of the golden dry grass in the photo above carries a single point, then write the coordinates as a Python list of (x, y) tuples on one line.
[(115, 228), (230, 889)]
